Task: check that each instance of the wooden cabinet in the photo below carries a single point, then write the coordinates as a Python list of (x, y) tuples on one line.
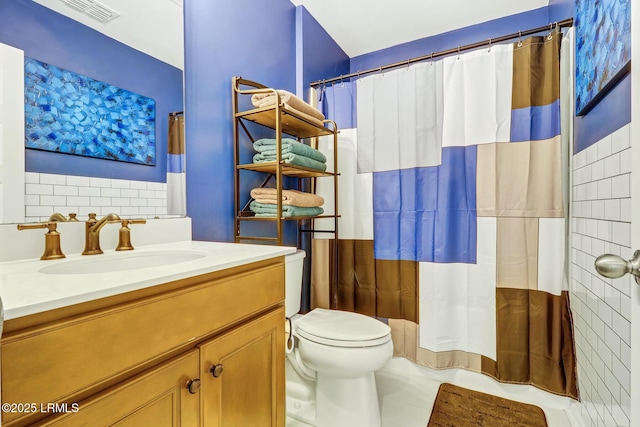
[(155, 398), (128, 359), (241, 382)]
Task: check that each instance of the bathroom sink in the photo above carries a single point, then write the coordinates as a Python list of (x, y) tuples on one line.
[(94, 264)]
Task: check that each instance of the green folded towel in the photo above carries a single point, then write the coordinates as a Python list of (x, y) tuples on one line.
[(270, 210), (267, 146), (292, 159)]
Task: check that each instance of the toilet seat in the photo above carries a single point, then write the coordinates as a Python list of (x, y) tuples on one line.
[(342, 329)]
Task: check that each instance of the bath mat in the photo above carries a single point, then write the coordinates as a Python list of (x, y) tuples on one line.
[(460, 407)]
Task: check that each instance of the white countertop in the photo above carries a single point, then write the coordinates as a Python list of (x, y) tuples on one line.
[(25, 290)]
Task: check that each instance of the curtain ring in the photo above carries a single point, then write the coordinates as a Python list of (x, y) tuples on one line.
[(431, 59), (519, 38), (458, 53), (489, 44), (550, 36), (408, 61), (380, 71)]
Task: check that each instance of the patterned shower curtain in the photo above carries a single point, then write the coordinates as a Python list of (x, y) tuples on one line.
[(453, 215), (176, 172)]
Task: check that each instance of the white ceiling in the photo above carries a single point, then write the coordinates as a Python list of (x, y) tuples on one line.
[(150, 26), (359, 26), (363, 26)]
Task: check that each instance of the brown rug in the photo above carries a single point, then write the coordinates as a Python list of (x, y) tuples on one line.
[(460, 407)]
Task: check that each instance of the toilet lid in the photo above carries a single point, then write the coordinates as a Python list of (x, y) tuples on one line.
[(335, 327)]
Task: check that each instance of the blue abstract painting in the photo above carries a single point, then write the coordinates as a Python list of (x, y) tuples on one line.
[(603, 48), (70, 113)]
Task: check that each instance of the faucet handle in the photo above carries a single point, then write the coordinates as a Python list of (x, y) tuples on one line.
[(58, 217), (51, 239), (124, 234)]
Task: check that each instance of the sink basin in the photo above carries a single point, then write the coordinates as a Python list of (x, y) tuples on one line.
[(94, 264)]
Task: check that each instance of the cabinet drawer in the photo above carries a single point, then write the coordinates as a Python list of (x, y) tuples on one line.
[(79, 356), (156, 398)]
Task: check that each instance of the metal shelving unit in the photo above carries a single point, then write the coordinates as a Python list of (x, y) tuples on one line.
[(283, 122)]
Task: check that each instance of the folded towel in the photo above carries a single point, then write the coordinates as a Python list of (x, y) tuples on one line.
[(292, 159), (289, 197), (270, 210), (267, 147), (267, 99)]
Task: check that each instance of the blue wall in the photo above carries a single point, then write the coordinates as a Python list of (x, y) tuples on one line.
[(317, 54), (467, 35), (52, 38), (258, 41)]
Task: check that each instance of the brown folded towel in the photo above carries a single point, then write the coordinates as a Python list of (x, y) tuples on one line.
[(289, 197), (266, 99)]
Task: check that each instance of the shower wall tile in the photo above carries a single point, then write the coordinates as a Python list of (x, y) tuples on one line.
[(601, 223), (49, 193)]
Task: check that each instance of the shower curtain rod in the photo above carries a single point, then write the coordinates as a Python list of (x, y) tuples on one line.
[(519, 34)]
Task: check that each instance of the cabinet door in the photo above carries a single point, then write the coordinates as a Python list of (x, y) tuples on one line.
[(249, 388), (158, 398)]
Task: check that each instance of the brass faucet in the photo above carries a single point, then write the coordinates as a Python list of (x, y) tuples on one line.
[(124, 235), (58, 217), (51, 239), (92, 232)]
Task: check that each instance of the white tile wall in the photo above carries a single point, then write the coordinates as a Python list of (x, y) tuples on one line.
[(601, 223), (49, 193)]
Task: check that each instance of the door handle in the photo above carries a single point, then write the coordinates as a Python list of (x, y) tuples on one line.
[(613, 266)]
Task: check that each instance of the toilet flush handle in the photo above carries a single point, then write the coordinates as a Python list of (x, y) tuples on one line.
[(216, 370)]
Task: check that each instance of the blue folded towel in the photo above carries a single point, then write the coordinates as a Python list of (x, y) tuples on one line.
[(267, 146), (292, 159), (270, 210)]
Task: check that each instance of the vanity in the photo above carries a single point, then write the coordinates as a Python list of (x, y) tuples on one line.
[(185, 333)]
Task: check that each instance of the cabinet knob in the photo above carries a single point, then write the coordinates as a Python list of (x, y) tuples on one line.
[(193, 385), (216, 370)]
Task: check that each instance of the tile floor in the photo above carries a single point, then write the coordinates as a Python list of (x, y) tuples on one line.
[(407, 391)]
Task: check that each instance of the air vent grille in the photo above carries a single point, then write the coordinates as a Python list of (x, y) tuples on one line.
[(94, 9)]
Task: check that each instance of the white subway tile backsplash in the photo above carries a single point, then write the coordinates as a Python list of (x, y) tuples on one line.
[(110, 192), (597, 170), (45, 189), (32, 200), (625, 161), (604, 189), (155, 186), (612, 165), (100, 201), (65, 190), (79, 201), (120, 183), (79, 181), (46, 178), (53, 200), (138, 185), (48, 193), (620, 139), (100, 182), (601, 223), (89, 191), (32, 178), (620, 186), (39, 211), (147, 194)]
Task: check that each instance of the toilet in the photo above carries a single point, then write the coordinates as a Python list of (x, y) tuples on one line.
[(333, 355)]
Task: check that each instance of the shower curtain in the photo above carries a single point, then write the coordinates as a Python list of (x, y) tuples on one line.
[(453, 216), (176, 173)]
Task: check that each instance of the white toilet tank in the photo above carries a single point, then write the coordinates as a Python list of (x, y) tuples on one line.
[(293, 266)]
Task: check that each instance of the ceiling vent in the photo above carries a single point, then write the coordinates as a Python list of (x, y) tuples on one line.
[(94, 9)]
